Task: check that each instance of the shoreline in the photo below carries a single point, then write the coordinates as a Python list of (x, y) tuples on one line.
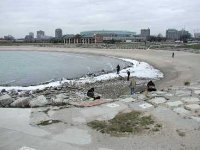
[(175, 70), (135, 69)]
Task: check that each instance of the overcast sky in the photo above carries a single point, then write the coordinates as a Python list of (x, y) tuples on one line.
[(19, 17)]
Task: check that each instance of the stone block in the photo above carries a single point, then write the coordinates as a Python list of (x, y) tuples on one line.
[(112, 105), (181, 111), (127, 100), (183, 93), (145, 105), (174, 104), (90, 103), (5, 100), (60, 100), (158, 100), (190, 99), (39, 101), (196, 118), (141, 106), (169, 95), (160, 92), (21, 102), (141, 97), (192, 107), (197, 92)]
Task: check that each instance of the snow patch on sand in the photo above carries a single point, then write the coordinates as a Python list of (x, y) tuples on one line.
[(138, 69)]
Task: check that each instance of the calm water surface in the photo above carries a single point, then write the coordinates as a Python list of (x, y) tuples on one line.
[(31, 68)]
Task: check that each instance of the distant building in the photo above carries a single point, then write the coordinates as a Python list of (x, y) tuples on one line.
[(183, 33), (9, 38), (106, 35), (109, 33), (40, 34), (160, 35), (58, 33), (82, 39), (145, 33), (30, 37), (31, 34), (88, 37), (172, 34), (197, 35)]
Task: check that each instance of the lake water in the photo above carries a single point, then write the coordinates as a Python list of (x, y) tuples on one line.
[(30, 68)]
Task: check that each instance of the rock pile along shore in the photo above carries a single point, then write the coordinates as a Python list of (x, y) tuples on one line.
[(184, 100)]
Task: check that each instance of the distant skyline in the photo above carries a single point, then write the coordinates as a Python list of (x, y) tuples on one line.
[(19, 17)]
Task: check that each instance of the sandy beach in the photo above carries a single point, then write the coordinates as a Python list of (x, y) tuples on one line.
[(184, 67)]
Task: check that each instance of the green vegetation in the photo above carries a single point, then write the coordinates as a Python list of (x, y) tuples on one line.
[(123, 123)]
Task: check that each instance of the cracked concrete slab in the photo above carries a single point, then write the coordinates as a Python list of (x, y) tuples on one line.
[(158, 100), (174, 104), (182, 93), (74, 136), (190, 99), (192, 107), (182, 111)]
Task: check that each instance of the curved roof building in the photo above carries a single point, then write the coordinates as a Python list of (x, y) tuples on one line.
[(109, 33)]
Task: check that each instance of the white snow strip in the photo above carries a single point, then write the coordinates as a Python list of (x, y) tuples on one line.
[(138, 69)]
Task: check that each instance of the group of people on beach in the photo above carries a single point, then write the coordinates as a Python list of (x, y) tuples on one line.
[(132, 85), (150, 85)]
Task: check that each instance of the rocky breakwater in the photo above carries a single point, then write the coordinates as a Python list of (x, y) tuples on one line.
[(183, 100), (64, 94), (60, 95)]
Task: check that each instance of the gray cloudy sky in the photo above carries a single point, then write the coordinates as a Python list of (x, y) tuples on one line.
[(18, 17)]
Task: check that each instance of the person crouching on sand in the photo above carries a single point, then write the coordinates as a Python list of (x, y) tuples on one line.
[(90, 93)]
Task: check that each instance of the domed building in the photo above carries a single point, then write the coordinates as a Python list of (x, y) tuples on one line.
[(99, 36)]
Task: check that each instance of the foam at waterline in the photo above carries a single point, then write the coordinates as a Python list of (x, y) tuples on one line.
[(138, 69)]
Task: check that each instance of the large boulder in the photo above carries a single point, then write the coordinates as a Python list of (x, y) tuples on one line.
[(60, 99), (5, 100), (39, 101), (21, 102)]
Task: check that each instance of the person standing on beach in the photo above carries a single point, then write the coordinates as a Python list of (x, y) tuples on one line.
[(173, 55), (132, 86), (128, 73), (118, 69)]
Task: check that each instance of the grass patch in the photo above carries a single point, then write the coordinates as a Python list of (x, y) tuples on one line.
[(123, 123), (48, 122)]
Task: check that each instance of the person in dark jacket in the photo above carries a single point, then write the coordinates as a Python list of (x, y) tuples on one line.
[(90, 93), (151, 86), (173, 55), (118, 69), (128, 75)]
